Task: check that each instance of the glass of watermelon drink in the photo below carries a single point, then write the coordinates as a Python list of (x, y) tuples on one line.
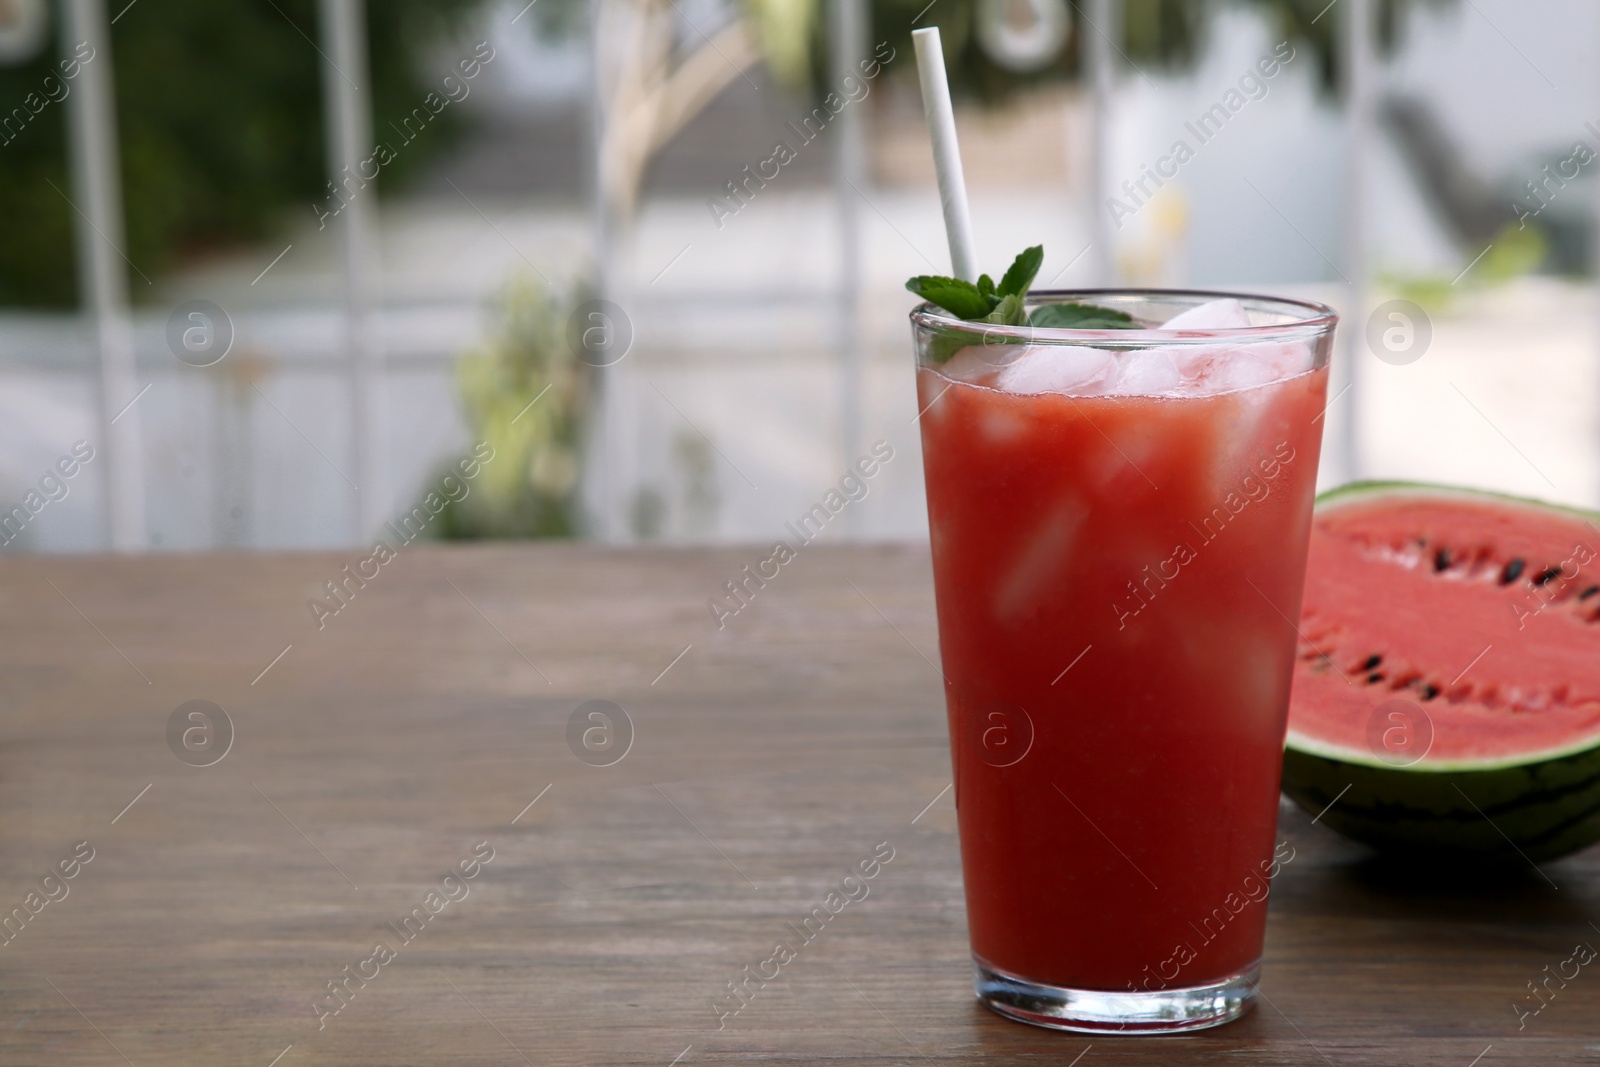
[(1119, 521)]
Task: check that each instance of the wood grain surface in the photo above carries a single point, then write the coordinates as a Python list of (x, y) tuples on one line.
[(374, 756)]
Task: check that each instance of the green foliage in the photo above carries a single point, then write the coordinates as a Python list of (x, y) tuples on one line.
[(220, 111), (1310, 22), (1081, 317), (525, 393), (1156, 35), (1165, 33), (984, 302), (1005, 305), (219, 114), (787, 30), (1019, 276), (961, 298), (1513, 253)]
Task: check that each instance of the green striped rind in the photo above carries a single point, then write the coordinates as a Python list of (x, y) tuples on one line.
[(1538, 811), (1535, 809)]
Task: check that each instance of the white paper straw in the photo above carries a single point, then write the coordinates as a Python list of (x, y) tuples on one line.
[(946, 152)]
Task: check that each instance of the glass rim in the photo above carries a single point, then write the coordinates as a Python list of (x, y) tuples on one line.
[(1315, 318)]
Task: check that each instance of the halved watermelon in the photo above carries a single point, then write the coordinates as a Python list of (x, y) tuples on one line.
[(1446, 694)]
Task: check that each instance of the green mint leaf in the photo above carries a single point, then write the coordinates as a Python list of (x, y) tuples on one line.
[(1021, 272), (961, 298), (944, 344), (986, 287), (1009, 312), (1080, 317)]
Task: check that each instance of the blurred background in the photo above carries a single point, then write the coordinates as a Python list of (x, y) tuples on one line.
[(277, 266)]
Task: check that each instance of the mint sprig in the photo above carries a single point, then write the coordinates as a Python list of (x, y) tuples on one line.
[(984, 302), (1005, 304)]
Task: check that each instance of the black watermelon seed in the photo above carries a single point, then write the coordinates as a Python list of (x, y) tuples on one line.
[(1372, 661), (1589, 592), (1429, 692), (1548, 576), (1513, 571), (1374, 679), (1441, 560)]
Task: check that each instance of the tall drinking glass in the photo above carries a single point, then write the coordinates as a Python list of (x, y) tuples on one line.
[(1119, 522)]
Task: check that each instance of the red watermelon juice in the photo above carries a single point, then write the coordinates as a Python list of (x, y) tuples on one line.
[(1119, 541)]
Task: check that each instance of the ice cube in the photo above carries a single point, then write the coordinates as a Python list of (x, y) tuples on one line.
[(1146, 372), (1226, 314), (1058, 369), (1210, 369), (1198, 363), (1248, 367), (1035, 569), (1245, 371), (931, 399), (1003, 424), (1294, 357), (1127, 452), (974, 363)]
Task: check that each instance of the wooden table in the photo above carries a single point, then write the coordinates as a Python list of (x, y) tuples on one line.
[(431, 713)]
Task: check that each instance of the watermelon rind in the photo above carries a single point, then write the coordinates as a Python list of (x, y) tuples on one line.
[(1352, 492), (1532, 806), (1537, 811)]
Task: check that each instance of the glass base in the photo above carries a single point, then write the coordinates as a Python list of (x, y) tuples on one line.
[(1099, 1011)]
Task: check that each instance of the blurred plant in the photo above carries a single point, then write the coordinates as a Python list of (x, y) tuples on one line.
[(1156, 32), (1302, 20), (1514, 252), (658, 69), (1431, 292), (654, 80), (525, 393), (787, 31), (1162, 34), (986, 42), (219, 114)]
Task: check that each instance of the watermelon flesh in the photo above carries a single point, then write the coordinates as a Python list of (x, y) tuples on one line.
[(1438, 598), (1448, 675)]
